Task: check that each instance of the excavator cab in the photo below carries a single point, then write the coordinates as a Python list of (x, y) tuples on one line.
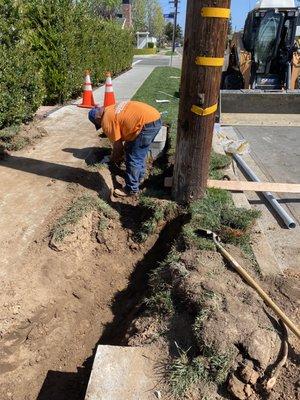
[(266, 47), (273, 48)]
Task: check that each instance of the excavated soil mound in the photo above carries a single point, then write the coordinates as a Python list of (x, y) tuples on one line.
[(221, 322)]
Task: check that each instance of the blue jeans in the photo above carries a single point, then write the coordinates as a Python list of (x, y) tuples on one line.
[(136, 154)]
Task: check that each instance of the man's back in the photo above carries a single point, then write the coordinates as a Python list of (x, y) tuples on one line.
[(125, 120)]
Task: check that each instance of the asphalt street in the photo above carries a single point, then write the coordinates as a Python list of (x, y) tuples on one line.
[(158, 60)]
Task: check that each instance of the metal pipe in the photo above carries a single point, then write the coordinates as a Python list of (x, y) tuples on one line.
[(288, 221)]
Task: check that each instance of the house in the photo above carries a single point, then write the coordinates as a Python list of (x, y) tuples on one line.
[(143, 40)]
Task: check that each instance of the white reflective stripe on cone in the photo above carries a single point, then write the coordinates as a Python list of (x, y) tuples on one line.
[(88, 79), (109, 89), (88, 88), (108, 80)]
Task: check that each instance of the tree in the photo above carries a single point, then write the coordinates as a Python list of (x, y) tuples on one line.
[(105, 8), (147, 15), (169, 32), (139, 13), (158, 22)]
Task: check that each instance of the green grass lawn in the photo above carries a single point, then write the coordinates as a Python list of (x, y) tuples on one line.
[(163, 84), (170, 53)]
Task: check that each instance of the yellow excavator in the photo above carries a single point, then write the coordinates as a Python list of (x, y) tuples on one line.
[(266, 55)]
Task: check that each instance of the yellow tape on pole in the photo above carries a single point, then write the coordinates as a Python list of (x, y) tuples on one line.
[(204, 111), (210, 61), (215, 12)]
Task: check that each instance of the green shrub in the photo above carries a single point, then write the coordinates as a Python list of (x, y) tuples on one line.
[(68, 41), (140, 52), (21, 85), (45, 47), (151, 46)]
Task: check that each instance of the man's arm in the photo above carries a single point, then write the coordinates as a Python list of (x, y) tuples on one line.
[(117, 154)]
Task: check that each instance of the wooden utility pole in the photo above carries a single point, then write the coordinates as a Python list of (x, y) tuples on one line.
[(203, 57)]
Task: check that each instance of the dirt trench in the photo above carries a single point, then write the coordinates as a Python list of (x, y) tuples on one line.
[(92, 289), (68, 301)]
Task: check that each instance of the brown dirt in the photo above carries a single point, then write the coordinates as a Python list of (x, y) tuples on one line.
[(53, 317), (59, 305), (92, 291), (237, 323)]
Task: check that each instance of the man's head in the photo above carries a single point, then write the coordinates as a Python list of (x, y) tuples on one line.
[(95, 116)]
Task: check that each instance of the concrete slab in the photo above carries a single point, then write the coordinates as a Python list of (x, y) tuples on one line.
[(126, 84), (121, 373), (275, 157), (233, 119), (260, 244), (276, 151)]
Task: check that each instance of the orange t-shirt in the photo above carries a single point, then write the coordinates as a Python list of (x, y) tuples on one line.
[(125, 120)]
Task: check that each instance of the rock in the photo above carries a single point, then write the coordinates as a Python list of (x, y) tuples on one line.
[(249, 391), (262, 346), (133, 246), (248, 374), (157, 394), (254, 377), (236, 387), (100, 238)]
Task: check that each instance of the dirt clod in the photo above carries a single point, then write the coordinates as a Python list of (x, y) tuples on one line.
[(236, 387), (248, 374)]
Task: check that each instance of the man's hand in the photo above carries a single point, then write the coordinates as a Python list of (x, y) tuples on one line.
[(118, 152)]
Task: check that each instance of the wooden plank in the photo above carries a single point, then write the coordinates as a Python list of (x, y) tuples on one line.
[(242, 186), (255, 186)]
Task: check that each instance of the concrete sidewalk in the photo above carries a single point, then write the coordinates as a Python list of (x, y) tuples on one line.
[(35, 179)]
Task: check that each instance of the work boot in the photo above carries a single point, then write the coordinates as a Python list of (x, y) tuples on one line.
[(125, 193)]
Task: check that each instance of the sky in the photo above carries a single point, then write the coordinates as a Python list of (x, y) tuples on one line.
[(239, 9)]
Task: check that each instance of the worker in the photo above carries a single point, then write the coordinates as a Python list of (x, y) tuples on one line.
[(131, 126)]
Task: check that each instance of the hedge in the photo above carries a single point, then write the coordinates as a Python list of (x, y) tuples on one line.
[(45, 47), (140, 52)]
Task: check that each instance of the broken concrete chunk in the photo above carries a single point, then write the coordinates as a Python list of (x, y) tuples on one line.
[(123, 373)]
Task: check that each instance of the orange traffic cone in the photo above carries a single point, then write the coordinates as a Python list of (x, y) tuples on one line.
[(87, 96), (109, 96)]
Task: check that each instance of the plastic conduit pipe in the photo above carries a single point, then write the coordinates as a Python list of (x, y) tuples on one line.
[(288, 221)]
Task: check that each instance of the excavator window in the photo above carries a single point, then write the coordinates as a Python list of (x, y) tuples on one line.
[(267, 40)]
